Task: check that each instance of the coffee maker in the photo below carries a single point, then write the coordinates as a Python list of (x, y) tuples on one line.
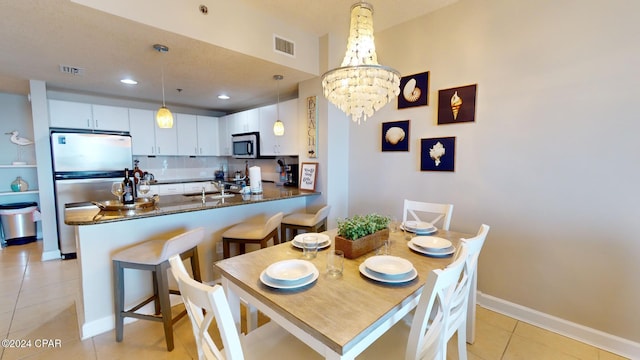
[(291, 172)]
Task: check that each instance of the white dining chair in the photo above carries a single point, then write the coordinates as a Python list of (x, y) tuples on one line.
[(474, 246), (206, 304), (417, 210), (425, 337)]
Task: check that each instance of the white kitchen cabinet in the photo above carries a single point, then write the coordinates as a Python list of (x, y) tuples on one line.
[(149, 139), (143, 138), (224, 136), (67, 114), (75, 115), (166, 140), (113, 118), (268, 140), (170, 189), (245, 121), (196, 187), (272, 145), (208, 135), (187, 132), (197, 135)]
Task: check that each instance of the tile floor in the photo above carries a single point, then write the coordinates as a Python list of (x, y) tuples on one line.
[(37, 302)]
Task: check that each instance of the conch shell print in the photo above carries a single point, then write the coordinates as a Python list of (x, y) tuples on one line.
[(394, 135), (456, 103), (436, 152)]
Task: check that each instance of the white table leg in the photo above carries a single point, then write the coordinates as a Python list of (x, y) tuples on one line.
[(234, 302)]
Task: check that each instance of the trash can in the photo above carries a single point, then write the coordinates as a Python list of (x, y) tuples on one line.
[(18, 225)]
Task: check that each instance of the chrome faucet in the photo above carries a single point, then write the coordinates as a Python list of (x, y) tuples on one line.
[(221, 187), (204, 196)]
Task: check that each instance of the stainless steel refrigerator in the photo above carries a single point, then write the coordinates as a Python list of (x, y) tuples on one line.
[(84, 167)]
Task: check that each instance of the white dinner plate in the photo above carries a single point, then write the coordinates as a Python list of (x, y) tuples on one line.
[(323, 240), (433, 230), (373, 276), (288, 284), (432, 243), (389, 267), (418, 225), (439, 253), (290, 270)]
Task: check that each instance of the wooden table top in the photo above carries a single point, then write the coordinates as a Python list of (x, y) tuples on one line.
[(336, 311)]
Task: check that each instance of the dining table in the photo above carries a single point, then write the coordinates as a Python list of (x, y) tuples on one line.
[(339, 317)]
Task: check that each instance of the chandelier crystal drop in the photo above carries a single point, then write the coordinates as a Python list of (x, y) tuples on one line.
[(361, 86)]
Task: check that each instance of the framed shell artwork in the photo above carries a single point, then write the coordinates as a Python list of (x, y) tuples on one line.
[(438, 154), (457, 105), (414, 90), (395, 136)]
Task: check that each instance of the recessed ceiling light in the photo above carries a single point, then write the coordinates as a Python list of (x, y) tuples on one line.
[(223, 97), (129, 81)]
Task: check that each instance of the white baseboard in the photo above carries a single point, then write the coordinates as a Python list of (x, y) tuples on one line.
[(597, 338), (51, 255)]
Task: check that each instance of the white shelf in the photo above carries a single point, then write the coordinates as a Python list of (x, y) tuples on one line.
[(18, 166), (10, 193)]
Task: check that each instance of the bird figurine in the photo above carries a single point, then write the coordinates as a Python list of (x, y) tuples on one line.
[(19, 140)]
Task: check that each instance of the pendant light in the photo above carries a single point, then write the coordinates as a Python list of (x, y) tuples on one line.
[(278, 126), (164, 118), (361, 86)]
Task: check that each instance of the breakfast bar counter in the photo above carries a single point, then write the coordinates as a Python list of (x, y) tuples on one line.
[(100, 234)]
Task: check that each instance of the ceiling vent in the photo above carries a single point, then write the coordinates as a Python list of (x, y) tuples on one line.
[(71, 70), (284, 46)]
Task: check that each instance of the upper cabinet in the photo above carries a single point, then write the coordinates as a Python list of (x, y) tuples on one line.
[(147, 138), (244, 121), (187, 128), (224, 136), (208, 135), (74, 115), (272, 145), (197, 135)]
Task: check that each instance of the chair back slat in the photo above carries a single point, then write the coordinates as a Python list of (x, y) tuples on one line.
[(210, 300), (443, 211), (427, 334)]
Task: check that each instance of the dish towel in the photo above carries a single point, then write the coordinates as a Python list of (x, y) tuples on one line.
[(255, 180)]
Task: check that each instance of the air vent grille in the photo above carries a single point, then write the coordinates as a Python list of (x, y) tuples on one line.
[(71, 70), (284, 46)]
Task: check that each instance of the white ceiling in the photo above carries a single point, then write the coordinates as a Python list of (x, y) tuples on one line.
[(37, 36)]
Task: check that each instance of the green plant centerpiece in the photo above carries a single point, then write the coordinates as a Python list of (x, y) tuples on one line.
[(361, 234)]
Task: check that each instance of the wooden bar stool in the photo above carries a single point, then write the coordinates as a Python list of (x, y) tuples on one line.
[(248, 233), (309, 222), (154, 256)]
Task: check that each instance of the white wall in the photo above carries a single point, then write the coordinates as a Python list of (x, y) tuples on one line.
[(551, 162)]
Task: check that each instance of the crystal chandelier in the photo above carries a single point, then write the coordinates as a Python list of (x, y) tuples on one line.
[(361, 86), (164, 118)]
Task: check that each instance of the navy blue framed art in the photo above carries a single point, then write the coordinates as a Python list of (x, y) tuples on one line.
[(395, 136), (438, 154), (414, 90)]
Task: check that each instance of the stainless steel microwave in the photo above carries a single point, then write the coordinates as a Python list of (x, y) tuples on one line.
[(246, 145)]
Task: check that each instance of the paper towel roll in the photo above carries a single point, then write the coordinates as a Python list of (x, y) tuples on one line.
[(255, 180)]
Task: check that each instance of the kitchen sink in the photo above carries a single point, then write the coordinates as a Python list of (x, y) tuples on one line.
[(210, 195), (220, 196)]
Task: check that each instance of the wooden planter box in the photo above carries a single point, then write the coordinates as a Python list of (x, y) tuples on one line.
[(358, 247)]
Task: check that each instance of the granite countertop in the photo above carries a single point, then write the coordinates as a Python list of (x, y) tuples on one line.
[(90, 214)]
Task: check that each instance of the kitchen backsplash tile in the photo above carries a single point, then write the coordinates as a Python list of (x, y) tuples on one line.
[(183, 167)]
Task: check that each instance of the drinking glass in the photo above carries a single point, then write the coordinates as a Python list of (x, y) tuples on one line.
[(309, 247), (335, 263), (143, 186), (117, 189)]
